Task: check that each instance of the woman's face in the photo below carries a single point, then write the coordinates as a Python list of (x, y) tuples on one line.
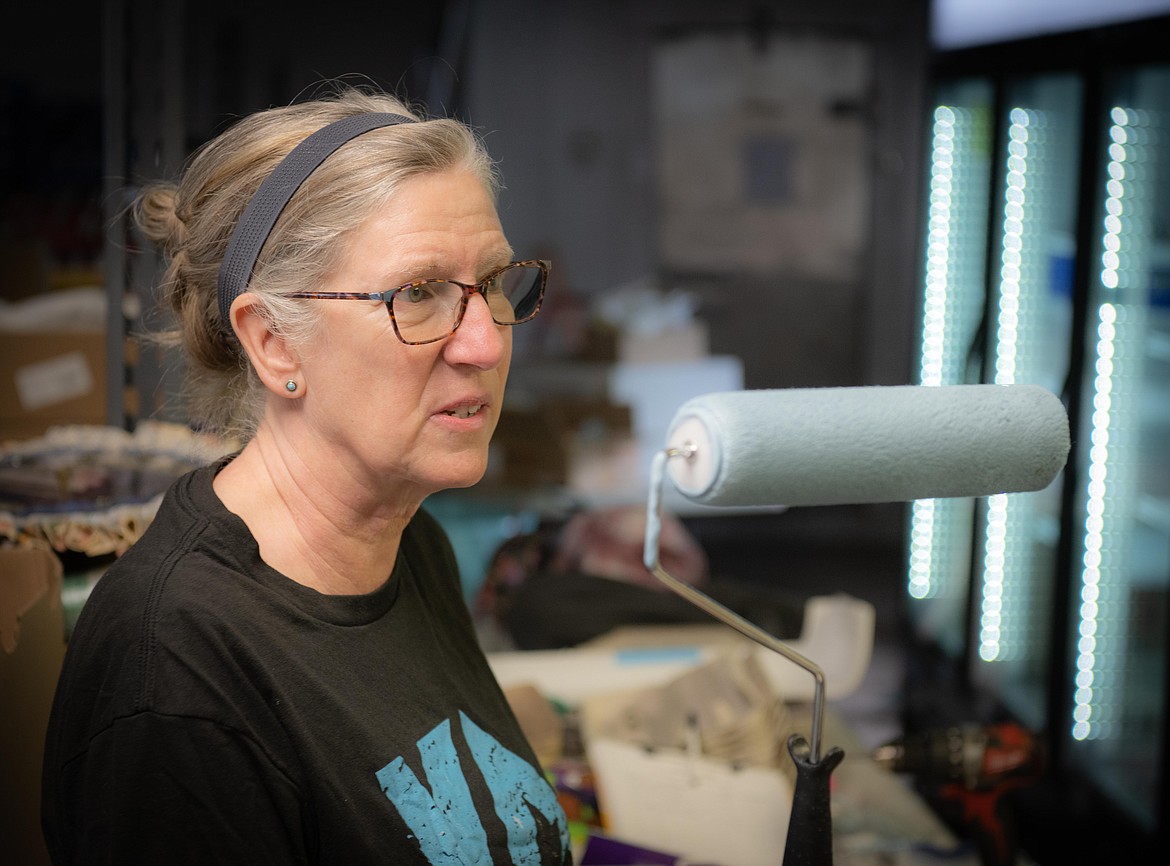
[(404, 421)]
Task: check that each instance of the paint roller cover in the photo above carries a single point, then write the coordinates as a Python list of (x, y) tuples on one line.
[(827, 446)]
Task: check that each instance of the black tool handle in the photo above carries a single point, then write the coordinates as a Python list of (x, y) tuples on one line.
[(810, 829)]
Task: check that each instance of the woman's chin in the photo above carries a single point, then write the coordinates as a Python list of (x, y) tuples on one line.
[(463, 474)]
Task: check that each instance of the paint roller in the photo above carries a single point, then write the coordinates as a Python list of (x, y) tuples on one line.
[(836, 446)]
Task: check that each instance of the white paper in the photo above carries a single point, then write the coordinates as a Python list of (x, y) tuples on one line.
[(705, 810), (56, 380)]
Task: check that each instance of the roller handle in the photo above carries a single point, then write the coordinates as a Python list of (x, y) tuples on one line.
[(810, 827)]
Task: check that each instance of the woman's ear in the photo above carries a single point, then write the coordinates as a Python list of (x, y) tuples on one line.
[(272, 358)]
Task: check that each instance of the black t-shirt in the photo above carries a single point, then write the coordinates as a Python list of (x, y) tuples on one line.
[(212, 710)]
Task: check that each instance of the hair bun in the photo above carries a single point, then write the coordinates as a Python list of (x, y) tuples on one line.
[(156, 214)]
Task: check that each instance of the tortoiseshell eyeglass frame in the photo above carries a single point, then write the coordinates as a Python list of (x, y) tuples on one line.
[(469, 289)]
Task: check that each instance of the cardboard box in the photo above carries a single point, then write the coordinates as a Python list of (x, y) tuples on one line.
[(32, 649), (684, 342), (538, 444), (49, 378), (689, 342)]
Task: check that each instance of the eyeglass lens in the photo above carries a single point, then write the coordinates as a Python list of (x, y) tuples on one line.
[(430, 310)]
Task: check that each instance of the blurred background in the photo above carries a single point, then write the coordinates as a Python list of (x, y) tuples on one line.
[(763, 194)]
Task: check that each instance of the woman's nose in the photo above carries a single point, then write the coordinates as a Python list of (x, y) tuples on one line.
[(478, 340)]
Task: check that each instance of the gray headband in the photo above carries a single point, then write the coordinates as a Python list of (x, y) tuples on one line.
[(274, 193)]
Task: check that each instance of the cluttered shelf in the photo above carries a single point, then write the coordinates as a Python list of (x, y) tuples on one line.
[(665, 743)]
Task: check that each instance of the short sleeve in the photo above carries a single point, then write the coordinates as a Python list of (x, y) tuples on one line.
[(154, 788)]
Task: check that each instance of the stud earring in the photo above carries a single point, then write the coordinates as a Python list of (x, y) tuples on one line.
[(290, 386)]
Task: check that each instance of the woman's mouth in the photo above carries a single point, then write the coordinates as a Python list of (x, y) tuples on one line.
[(463, 411)]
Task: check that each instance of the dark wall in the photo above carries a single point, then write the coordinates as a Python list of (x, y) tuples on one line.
[(50, 143), (563, 92)]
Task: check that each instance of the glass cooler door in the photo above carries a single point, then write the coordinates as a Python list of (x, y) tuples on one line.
[(1028, 342), (1121, 554), (952, 303)]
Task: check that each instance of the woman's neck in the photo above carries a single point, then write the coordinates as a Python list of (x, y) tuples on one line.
[(313, 522)]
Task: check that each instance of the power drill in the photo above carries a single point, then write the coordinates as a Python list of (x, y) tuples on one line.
[(972, 767)]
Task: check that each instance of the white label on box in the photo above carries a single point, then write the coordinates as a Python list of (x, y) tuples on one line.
[(53, 381)]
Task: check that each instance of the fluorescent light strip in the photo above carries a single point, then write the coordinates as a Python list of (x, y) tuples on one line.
[(994, 554), (1110, 464), (921, 548), (1015, 213), (940, 227), (1086, 685), (1015, 200), (951, 304), (939, 234)]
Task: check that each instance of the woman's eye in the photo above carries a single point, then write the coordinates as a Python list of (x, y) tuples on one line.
[(416, 294)]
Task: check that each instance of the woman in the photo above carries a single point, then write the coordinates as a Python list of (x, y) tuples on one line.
[(283, 669)]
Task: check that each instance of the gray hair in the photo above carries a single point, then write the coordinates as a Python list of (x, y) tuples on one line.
[(191, 222)]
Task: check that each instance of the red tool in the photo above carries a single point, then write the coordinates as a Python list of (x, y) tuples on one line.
[(972, 767)]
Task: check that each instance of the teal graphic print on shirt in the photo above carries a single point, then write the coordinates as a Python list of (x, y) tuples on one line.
[(442, 814)]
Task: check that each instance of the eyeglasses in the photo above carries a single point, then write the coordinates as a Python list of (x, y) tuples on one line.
[(426, 311)]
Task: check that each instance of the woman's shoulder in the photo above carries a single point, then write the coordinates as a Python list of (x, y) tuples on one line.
[(184, 561)]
